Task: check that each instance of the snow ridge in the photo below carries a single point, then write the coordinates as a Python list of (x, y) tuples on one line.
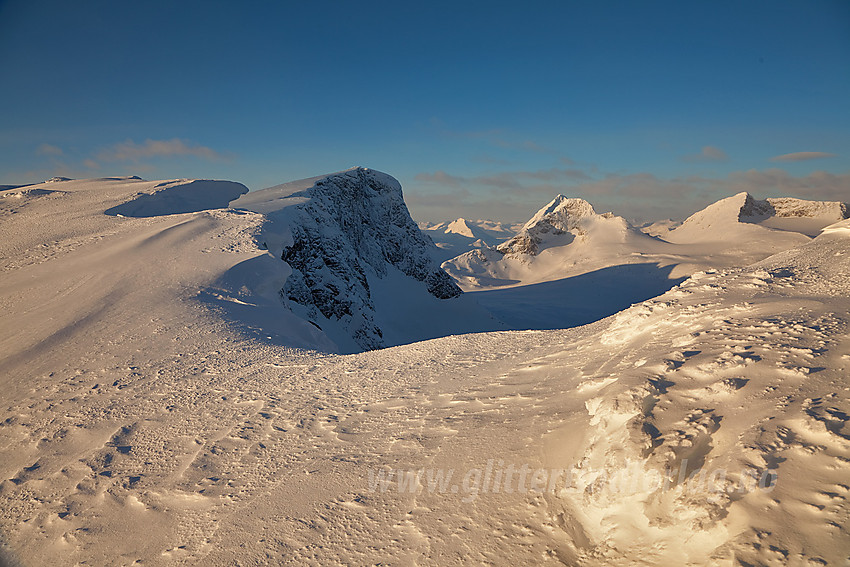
[(725, 219), (789, 207)]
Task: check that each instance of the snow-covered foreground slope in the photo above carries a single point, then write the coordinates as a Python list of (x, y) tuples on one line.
[(139, 425)]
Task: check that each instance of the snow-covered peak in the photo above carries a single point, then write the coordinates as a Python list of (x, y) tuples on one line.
[(460, 226), (462, 235), (559, 216), (340, 233), (561, 213), (725, 211), (729, 217)]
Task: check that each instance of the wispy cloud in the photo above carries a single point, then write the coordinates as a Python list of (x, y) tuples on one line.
[(801, 156), (509, 180), (130, 151), (708, 153), (490, 160), (49, 150), (501, 139), (818, 185)]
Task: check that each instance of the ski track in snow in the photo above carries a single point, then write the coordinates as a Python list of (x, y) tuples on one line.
[(139, 427)]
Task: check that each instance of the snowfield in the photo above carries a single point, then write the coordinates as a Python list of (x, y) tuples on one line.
[(162, 405)]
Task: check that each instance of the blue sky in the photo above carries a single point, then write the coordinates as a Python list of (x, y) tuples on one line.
[(480, 109)]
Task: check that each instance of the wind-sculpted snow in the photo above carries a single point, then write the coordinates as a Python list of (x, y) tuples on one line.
[(139, 425), (181, 196), (345, 230), (733, 445)]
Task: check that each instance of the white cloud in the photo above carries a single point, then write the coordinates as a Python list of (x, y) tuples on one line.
[(802, 156), (133, 152)]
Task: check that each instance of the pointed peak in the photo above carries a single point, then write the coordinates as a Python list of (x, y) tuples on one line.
[(566, 207), (554, 203), (460, 226)]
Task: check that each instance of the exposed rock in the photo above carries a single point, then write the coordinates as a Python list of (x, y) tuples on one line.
[(346, 228), (559, 216)]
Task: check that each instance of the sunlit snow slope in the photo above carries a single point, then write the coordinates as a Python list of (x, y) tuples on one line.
[(140, 422)]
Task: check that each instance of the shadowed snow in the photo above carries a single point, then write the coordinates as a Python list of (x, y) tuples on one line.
[(183, 196)]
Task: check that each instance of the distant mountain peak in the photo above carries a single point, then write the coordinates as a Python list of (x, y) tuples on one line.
[(460, 226), (719, 219), (561, 209), (560, 215)]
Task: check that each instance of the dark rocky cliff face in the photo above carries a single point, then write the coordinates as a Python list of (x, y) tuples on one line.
[(352, 226)]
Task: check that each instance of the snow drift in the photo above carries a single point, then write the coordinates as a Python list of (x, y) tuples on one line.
[(181, 196)]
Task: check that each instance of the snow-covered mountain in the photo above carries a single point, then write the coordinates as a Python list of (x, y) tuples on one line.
[(461, 235), (567, 238), (659, 228), (569, 265), (141, 424), (743, 217), (564, 238), (559, 217), (360, 266)]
